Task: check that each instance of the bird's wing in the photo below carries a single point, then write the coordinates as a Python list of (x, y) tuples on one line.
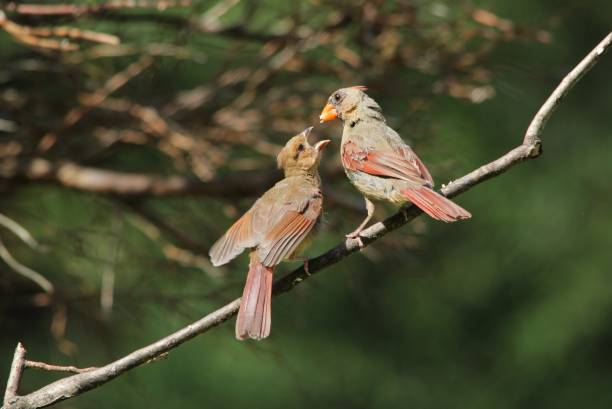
[(293, 220), (234, 241), (250, 229), (401, 163), (276, 224)]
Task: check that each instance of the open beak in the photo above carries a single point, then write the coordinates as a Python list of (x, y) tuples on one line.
[(307, 132), (329, 113), (321, 145)]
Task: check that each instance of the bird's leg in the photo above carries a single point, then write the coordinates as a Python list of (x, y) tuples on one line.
[(355, 234), (304, 260)]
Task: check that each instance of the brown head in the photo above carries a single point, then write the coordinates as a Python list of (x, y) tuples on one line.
[(299, 157), (349, 103)]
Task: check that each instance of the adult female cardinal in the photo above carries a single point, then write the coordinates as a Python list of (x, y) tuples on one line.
[(274, 229), (379, 163)]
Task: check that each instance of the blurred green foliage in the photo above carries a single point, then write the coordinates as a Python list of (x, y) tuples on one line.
[(511, 309)]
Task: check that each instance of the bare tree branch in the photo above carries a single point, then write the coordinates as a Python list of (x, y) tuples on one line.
[(23, 35), (79, 10), (12, 385), (568, 82), (90, 101), (75, 34), (72, 175), (126, 185), (77, 384), (23, 270), (206, 24), (56, 368), (10, 261), (19, 231)]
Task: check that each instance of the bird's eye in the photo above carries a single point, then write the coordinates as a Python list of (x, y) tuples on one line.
[(300, 147), (337, 96)]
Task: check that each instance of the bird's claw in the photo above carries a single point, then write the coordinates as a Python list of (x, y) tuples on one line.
[(306, 270), (356, 236)]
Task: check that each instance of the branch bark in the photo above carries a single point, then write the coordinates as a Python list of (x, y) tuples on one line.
[(12, 385), (530, 148), (56, 368), (73, 175), (129, 185)]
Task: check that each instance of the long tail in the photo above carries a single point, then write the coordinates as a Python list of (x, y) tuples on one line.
[(436, 205), (255, 314)]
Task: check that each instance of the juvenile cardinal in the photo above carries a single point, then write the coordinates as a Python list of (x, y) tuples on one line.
[(274, 229), (379, 163)]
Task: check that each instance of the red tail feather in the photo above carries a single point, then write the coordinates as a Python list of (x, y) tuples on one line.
[(436, 205), (255, 314)]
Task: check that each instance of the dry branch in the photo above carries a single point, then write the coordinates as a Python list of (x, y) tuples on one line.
[(12, 385), (75, 34), (25, 271), (56, 368), (77, 384), (19, 231), (24, 35), (92, 100), (75, 176), (79, 10)]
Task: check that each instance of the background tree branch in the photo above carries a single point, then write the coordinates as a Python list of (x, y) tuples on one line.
[(88, 179), (77, 384)]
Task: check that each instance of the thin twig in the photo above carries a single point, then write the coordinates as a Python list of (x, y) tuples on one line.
[(25, 271), (77, 384), (571, 79), (23, 35), (152, 49), (75, 34), (211, 18), (89, 101), (175, 142), (79, 10), (107, 287), (57, 368), (39, 36), (19, 231)]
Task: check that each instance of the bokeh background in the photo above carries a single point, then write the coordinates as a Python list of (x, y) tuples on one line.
[(511, 309)]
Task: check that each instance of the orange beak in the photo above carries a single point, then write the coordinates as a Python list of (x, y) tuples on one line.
[(329, 113)]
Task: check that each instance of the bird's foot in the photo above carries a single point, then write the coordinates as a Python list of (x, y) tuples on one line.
[(306, 270), (356, 235), (305, 261)]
